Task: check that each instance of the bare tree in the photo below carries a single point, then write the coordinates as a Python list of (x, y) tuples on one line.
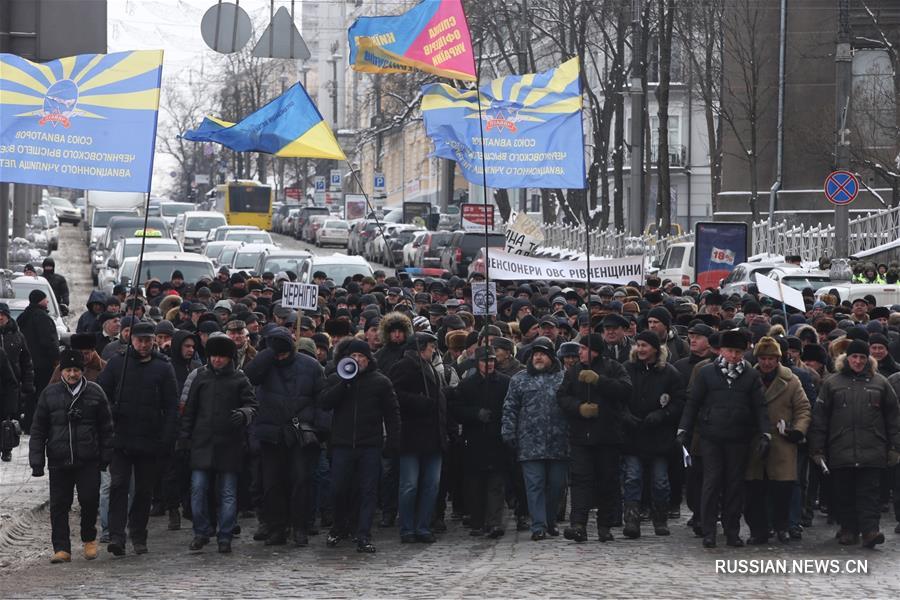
[(665, 10)]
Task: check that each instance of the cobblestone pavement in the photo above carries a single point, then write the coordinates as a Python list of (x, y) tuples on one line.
[(456, 566)]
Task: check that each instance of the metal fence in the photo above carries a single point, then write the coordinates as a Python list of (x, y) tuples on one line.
[(782, 238)]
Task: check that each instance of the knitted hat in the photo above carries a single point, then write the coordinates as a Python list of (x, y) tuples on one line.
[(359, 346), (661, 314), (593, 341), (648, 337), (526, 323), (858, 347), (767, 346), (36, 296), (878, 338)]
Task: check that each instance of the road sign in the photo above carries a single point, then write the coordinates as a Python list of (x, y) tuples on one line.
[(335, 180), (474, 216), (379, 183), (226, 27), (304, 296), (294, 193), (320, 183), (841, 187), (484, 298), (281, 39)]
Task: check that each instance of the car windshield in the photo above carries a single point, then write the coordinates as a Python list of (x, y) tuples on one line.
[(221, 233), (203, 223), (274, 264), (674, 258), (253, 237), (173, 210), (61, 202), (151, 246), (471, 242), (760, 271), (246, 260), (800, 282), (227, 255), (215, 250), (339, 272), (162, 270), (405, 237), (102, 217)]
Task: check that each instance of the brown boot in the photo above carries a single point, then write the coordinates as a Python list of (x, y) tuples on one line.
[(847, 537), (872, 539), (60, 556), (90, 550)]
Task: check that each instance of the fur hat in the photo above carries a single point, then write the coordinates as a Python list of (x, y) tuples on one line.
[(734, 338), (220, 344), (814, 352), (456, 340), (767, 346), (83, 341), (71, 359)]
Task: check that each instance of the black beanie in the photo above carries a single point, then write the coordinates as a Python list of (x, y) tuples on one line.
[(280, 344), (661, 314), (649, 337), (36, 296), (361, 347), (858, 347)]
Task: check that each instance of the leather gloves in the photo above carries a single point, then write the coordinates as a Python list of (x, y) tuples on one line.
[(589, 410), (237, 418), (484, 415), (762, 447), (589, 377), (794, 436)]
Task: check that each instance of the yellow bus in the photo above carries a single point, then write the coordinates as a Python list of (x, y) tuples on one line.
[(245, 202)]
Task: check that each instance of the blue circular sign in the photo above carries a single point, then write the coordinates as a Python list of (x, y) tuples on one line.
[(841, 187)]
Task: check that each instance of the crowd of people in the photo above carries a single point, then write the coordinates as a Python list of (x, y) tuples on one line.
[(393, 403)]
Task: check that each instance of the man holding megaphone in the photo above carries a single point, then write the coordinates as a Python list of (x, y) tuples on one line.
[(364, 406)]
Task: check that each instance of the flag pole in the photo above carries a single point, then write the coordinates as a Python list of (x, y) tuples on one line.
[(487, 275)]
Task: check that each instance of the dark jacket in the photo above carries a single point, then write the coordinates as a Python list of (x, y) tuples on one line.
[(649, 383), (59, 286), (19, 356), (216, 444), (70, 442), (144, 402), (285, 390), (183, 367), (363, 409), (9, 388), (484, 447), (40, 334), (390, 353), (685, 366), (610, 393), (723, 412), (618, 352), (87, 322), (423, 407), (856, 419)]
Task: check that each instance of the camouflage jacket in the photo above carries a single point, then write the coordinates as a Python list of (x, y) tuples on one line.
[(533, 423)]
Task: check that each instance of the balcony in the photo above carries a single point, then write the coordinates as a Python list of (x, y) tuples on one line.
[(677, 157)]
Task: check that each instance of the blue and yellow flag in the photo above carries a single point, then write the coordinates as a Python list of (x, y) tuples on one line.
[(86, 121), (289, 126), (533, 136)]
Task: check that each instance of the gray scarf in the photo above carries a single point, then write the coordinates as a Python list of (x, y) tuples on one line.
[(731, 371)]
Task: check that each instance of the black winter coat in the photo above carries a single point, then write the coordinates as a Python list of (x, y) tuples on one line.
[(19, 357), (59, 286), (856, 419), (65, 442), (40, 334), (610, 393), (484, 447), (423, 407), (216, 444), (363, 409), (144, 402), (723, 412), (649, 383), (9, 388), (284, 390), (388, 355)]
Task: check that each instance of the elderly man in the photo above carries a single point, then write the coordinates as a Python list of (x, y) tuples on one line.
[(727, 404), (92, 363), (236, 330)]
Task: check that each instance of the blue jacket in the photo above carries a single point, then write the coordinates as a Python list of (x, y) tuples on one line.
[(533, 423)]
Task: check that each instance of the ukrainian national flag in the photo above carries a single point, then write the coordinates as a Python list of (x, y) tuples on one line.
[(289, 126)]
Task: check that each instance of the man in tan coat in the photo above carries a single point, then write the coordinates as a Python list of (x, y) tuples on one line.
[(770, 480)]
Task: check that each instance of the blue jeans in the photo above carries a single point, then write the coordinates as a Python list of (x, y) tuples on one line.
[(544, 481), (104, 501), (420, 478), (227, 508), (633, 470)]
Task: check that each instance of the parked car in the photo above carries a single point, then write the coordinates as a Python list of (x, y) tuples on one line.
[(313, 224), (248, 237), (411, 248), (170, 210), (885, 294), (744, 275), (48, 223), (100, 219), (274, 261), (677, 264), (160, 265), (363, 232), (303, 217), (338, 267), (279, 214), (393, 254), (65, 211), (108, 275), (193, 225), (333, 231), (213, 250), (247, 256), (287, 224), (462, 248), (376, 247), (428, 253), (122, 227)]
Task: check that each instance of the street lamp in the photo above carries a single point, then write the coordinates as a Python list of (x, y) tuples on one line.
[(333, 61), (304, 69)]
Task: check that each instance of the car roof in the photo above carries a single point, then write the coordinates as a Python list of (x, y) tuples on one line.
[(181, 256), (137, 240), (298, 252), (342, 259), (254, 247)]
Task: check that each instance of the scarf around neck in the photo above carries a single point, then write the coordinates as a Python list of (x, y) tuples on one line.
[(731, 371)]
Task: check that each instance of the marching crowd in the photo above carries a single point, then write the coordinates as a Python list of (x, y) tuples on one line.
[(392, 402)]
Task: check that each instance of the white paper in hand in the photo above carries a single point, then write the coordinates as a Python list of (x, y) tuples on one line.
[(686, 456)]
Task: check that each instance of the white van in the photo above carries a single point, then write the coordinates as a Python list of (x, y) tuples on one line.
[(677, 264), (192, 226)]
